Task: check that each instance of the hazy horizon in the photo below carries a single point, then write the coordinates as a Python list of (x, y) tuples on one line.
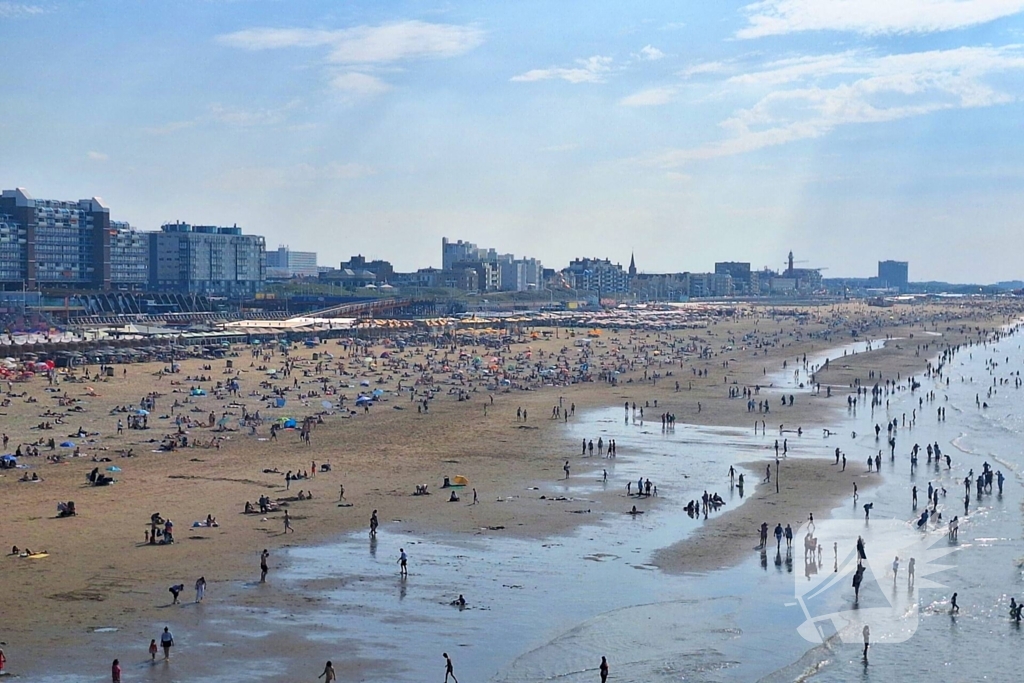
[(848, 132)]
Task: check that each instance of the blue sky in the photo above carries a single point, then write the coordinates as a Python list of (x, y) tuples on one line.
[(686, 132)]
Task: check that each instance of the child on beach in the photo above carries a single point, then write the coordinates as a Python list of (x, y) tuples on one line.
[(152, 649), (329, 673)]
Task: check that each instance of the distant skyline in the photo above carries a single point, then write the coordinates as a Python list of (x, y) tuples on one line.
[(848, 131)]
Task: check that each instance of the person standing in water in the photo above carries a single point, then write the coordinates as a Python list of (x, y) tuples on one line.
[(449, 668), (328, 675), (867, 641), (403, 561), (167, 642), (954, 608), (115, 671), (263, 565), (373, 524), (604, 670)]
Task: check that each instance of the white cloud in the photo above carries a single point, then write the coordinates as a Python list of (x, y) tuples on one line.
[(650, 53), (652, 97), (359, 84), (872, 17), (673, 26), (18, 10), (248, 118), (97, 156), (590, 70), (382, 44), (704, 68), (364, 47), (870, 89)]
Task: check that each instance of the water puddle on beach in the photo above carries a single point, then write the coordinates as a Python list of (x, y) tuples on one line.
[(548, 610)]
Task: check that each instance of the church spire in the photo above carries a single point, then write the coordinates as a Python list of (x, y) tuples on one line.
[(632, 265)]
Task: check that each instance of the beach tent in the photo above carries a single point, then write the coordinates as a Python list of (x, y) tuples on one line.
[(8, 462), (279, 402), (289, 423), (377, 393), (364, 383), (363, 400), (67, 444), (459, 480)]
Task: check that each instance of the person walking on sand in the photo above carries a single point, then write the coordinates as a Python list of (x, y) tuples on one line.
[(373, 524), (604, 670), (263, 565), (115, 671), (288, 523), (403, 562), (167, 642), (152, 649), (449, 668), (328, 675), (200, 588)]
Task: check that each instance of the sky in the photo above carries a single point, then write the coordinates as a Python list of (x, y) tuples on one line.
[(686, 132)]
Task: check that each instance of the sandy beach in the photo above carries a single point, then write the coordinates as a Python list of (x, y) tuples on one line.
[(100, 572)]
